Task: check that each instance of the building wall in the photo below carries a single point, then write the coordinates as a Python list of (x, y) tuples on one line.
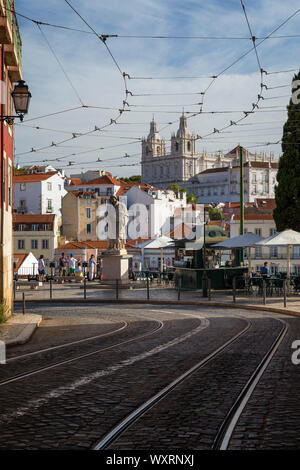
[(75, 218), (10, 53)]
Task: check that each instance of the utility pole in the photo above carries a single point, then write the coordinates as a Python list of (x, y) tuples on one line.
[(242, 209)]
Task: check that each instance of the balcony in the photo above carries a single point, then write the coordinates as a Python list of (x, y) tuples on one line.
[(22, 210), (10, 37), (49, 210)]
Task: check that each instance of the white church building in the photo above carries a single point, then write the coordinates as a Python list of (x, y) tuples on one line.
[(211, 177)]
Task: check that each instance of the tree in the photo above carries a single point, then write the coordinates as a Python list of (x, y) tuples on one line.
[(132, 179), (215, 214), (287, 192), (19, 171), (191, 199), (174, 187)]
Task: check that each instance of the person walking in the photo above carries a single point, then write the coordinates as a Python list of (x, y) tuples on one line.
[(41, 268), (62, 265), (72, 265), (92, 266)]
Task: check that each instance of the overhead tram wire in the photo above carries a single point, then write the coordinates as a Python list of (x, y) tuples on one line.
[(60, 65)]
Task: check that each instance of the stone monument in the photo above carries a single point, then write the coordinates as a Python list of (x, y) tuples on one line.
[(116, 258)]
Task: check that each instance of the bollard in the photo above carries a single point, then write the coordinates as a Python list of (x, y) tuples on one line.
[(117, 289), (284, 292), (50, 284), (148, 290), (84, 288), (23, 303), (15, 288), (234, 289), (204, 284), (209, 288), (264, 292), (179, 287)]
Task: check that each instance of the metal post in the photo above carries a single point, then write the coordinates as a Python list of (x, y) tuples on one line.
[(117, 289), (148, 291), (84, 288), (204, 284), (234, 289), (179, 287), (242, 209), (284, 292), (50, 283), (15, 288), (23, 303), (209, 288), (264, 292)]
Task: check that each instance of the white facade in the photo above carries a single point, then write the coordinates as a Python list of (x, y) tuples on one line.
[(38, 194), (223, 184), (183, 163), (29, 266), (159, 209)]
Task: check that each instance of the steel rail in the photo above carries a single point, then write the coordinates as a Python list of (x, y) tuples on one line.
[(82, 356), (137, 413), (52, 348), (227, 428)]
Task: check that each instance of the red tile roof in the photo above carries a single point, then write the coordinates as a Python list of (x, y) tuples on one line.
[(104, 180), (36, 177), (181, 231), (214, 170), (136, 241), (33, 218), (73, 245), (75, 181), (21, 258), (257, 216), (266, 204)]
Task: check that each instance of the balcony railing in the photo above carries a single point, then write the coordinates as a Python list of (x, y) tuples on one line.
[(10, 35)]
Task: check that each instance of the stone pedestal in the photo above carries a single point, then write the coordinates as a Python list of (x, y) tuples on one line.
[(116, 267)]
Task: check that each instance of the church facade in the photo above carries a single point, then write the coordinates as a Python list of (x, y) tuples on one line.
[(184, 166)]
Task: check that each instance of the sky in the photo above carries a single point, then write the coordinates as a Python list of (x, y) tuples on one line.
[(94, 77)]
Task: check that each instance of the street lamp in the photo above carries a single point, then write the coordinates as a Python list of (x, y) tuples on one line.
[(21, 98), (204, 276)]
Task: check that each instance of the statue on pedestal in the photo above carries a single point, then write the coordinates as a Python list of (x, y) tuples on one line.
[(117, 245)]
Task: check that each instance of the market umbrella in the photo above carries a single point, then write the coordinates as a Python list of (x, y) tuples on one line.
[(242, 241), (286, 238)]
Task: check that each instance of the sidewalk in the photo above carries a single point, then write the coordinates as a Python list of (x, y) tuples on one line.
[(19, 328)]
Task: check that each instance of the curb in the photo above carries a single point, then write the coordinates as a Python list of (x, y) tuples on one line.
[(25, 334), (167, 302)]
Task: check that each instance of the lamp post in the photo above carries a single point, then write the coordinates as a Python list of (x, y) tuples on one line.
[(21, 97), (204, 277)]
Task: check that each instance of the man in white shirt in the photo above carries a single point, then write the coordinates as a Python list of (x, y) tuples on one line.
[(72, 265)]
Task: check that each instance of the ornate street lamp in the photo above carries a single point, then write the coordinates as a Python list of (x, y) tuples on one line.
[(21, 98)]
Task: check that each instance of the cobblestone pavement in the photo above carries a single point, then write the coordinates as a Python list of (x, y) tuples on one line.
[(272, 417), (74, 405)]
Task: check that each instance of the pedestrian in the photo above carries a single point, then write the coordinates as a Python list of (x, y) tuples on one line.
[(264, 270), (78, 271), (62, 265), (72, 265), (41, 268), (92, 265)]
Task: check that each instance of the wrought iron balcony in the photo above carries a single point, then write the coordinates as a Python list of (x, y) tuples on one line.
[(10, 37)]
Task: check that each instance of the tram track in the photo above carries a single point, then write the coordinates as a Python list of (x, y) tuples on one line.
[(17, 377), (228, 425)]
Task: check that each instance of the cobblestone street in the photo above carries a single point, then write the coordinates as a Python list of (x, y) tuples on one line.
[(88, 367)]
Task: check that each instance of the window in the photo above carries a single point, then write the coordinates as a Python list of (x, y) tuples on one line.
[(158, 150), (46, 227), (21, 227), (258, 232), (258, 252), (88, 229), (88, 213), (45, 244), (296, 252), (9, 185), (176, 146), (34, 244), (22, 186), (35, 227), (49, 205), (23, 204), (189, 146), (109, 191), (49, 186), (59, 187), (272, 232), (147, 150), (255, 189), (274, 252), (21, 244)]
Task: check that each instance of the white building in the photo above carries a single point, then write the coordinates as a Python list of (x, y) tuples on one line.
[(160, 168), (263, 224), (25, 264), (223, 184), (154, 208), (89, 175), (39, 193)]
